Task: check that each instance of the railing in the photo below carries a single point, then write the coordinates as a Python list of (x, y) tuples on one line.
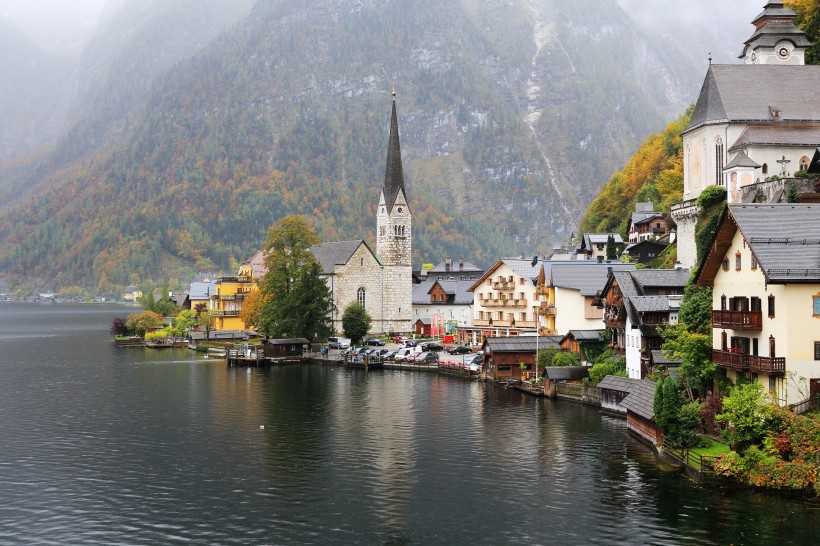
[(504, 285), (767, 364), (738, 320), (701, 463), (683, 205), (235, 279), (743, 362), (232, 297), (223, 314), (731, 360)]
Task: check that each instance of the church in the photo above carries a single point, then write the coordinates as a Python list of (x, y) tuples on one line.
[(754, 125), (382, 281)]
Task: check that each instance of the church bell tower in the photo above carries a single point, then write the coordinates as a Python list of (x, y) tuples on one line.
[(394, 236)]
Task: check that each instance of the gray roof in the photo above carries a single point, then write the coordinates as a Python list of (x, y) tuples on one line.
[(218, 335), (199, 291), (784, 237), (617, 383), (455, 268), (588, 277), (646, 218), (645, 304), (290, 341), (336, 253), (393, 173), (659, 358), (640, 283), (584, 335), (457, 288), (745, 93), (778, 25), (566, 373), (792, 134), (524, 267), (641, 399), (522, 344), (741, 160)]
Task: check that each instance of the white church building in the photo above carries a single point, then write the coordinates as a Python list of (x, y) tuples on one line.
[(754, 124)]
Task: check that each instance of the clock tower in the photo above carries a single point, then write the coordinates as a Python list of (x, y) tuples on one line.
[(775, 40)]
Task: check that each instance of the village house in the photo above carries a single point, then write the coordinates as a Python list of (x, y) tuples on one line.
[(504, 302), (750, 130), (443, 304), (585, 343), (131, 293), (635, 304), (226, 297), (569, 290), (645, 224), (593, 245), (634, 398), (764, 268)]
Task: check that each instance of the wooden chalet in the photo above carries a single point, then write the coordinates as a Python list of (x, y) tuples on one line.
[(513, 358), (423, 327), (577, 341), (562, 374), (286, 348)]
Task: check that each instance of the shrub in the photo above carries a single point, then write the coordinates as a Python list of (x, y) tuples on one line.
[(566, 358)]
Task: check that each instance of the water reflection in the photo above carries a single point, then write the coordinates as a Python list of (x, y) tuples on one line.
[(107, 445)]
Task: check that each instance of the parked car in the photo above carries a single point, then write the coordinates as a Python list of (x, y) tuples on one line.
[(459, 350), (338, 342), (400, 339), (423, 358), (374, 342), (389, 355), (402, 354), (431, 347)]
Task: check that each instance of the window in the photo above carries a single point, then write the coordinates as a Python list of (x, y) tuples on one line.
[(816, 307), (723, 302), (723, 341), (804, 163), (381, 231), (360, 296), (771, 306), (737, 261), (817, 350), (719, 161), (361, 262), (726, 264), (765, 169), (754, 262), (771, 347)]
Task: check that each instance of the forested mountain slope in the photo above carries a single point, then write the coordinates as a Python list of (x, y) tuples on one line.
[(510, 115)]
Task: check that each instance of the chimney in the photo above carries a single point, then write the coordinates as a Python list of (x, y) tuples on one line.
[(461, 263), (678, 265), (448, 263)]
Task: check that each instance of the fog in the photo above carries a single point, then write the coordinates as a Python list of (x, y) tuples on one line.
[(697, 26)]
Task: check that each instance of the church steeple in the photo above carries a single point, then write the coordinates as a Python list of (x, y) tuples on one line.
[(393, 175), (775, 40)]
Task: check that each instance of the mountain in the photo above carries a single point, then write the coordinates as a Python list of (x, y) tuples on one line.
[(192, 133)]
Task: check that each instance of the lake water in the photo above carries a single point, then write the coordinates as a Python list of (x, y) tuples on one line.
[(100, 445)]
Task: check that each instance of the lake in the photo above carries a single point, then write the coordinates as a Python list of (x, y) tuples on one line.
[(104, 445)]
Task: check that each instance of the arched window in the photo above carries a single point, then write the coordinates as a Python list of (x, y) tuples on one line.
[(360, 296), (719, 161), (771, 347), (765, 169), (804, 163), (361, 262)]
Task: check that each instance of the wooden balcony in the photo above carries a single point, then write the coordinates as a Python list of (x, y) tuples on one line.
[(224, 314), (738, 320), (504, 285), (767, 364), (749, 363), (731, 360)]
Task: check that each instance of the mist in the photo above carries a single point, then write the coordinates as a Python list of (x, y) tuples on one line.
[(55, 26)]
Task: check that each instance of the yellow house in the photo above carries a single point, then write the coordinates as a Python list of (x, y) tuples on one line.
[(764, 267), (229, 293)]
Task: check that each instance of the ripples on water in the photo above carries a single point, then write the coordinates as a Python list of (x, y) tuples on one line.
[(103, 445)]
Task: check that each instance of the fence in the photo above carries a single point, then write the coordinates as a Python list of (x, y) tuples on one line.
[(699, 462)]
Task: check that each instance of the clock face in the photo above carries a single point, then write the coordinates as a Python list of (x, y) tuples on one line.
[(399, 209), (783, 52), (754, 57)]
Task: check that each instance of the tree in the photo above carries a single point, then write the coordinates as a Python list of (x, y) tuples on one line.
[(611, 249), (294, 301), (118, 327), (791, 194), (139, 323), (745, 415), (566, 358), (185, 320), (355, 322)]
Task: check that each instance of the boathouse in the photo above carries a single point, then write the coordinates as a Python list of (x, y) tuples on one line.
[(635, 398), (286, 348), (513, 357)]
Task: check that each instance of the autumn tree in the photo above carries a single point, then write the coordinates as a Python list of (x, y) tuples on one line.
[(356, 322), (294, 301)]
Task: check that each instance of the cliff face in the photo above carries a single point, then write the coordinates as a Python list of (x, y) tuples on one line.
[(189, 139)]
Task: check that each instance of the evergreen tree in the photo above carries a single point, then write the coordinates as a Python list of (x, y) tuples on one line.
[(611, 248)]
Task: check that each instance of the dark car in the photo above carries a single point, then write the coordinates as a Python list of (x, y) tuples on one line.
[(423, 358), (374, 342), (431, 347), (460, 350)]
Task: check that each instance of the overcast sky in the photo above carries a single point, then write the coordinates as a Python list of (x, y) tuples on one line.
[(719, 26)]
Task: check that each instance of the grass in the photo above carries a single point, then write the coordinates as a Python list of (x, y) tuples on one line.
[(714, 448)]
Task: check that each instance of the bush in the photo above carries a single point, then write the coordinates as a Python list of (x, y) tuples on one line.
[(566, 358), (599, 371)]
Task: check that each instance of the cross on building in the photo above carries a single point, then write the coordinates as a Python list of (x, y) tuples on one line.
[(783, 164)]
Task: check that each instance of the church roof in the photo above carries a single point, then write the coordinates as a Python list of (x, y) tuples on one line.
[(393, 174), (336, 253), (792, 134), (741, 160), (773, 24), (749, 93)]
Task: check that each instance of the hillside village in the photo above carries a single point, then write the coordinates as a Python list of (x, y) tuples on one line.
[(597, 287)]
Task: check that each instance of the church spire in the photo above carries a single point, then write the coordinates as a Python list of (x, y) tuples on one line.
[(775, 40), (393, 175)]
